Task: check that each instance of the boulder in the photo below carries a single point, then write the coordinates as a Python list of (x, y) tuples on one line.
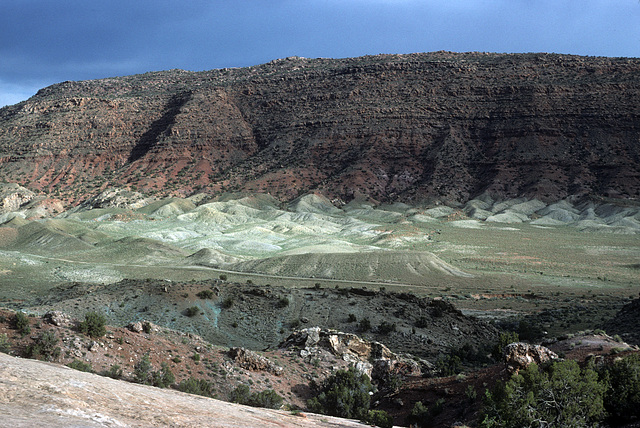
[(519, 355), (136, 327), (401, 366), (371, 358), (252, 361), (364, 367), (142, 326), (337, 342), (58, 318)]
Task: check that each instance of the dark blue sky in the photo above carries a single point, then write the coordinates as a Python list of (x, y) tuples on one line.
[(47, 41)]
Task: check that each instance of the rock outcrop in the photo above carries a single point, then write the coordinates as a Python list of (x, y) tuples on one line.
[(142, 326), (519, 355), (437, 126), (13, 196), (59, 319), (253, 361), (118, 198), (371, 358)]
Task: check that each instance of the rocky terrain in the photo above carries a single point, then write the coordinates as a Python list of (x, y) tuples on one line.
[(99, 393), (260, 317), (436, 126), (267, 226), (303, 356), (626, 322), (306, 355)]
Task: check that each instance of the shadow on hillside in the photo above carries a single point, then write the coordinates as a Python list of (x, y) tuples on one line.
[(148, 140)]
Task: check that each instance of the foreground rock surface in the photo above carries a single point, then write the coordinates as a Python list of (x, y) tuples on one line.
[(34, 393)]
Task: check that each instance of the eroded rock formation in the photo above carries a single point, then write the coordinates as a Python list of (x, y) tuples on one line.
[(438, 126), (519, 355), (369, 357)]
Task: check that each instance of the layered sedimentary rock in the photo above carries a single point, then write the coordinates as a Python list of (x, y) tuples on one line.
[(438, 126)]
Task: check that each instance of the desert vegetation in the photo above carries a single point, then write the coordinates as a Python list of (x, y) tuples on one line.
[(347, 393), (93, 325)]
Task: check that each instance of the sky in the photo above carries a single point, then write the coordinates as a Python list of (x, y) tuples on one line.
[(43, 42)]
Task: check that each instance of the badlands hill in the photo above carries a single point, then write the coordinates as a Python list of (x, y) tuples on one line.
[(437, 126)]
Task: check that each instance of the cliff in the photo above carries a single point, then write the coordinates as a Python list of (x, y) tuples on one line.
[(436, 126)]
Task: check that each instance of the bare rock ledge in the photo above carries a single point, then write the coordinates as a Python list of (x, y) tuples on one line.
[(35, 393)]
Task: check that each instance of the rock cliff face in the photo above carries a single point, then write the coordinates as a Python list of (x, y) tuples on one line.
[(439, 126)]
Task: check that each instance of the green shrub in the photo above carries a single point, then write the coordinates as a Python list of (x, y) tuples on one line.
[(473, 354), (196, 386), (448, 365), (561, 395), (622, 399), (386, 327), (364, 325), (345, 394), (241, 394), (5, 346), (505, 339), (283, 302), (419, 415), (351, 318), (390, 382), (267, 398), (223, 277), (21, 323), (379, 418), (192, 311), (471, 393), (163, 378), (422, 415), (530, 332), (81, 366), (93, 325), (44, 346), (114, 372), (143, 373), (227, 303), (437, 407), (206, 294)]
